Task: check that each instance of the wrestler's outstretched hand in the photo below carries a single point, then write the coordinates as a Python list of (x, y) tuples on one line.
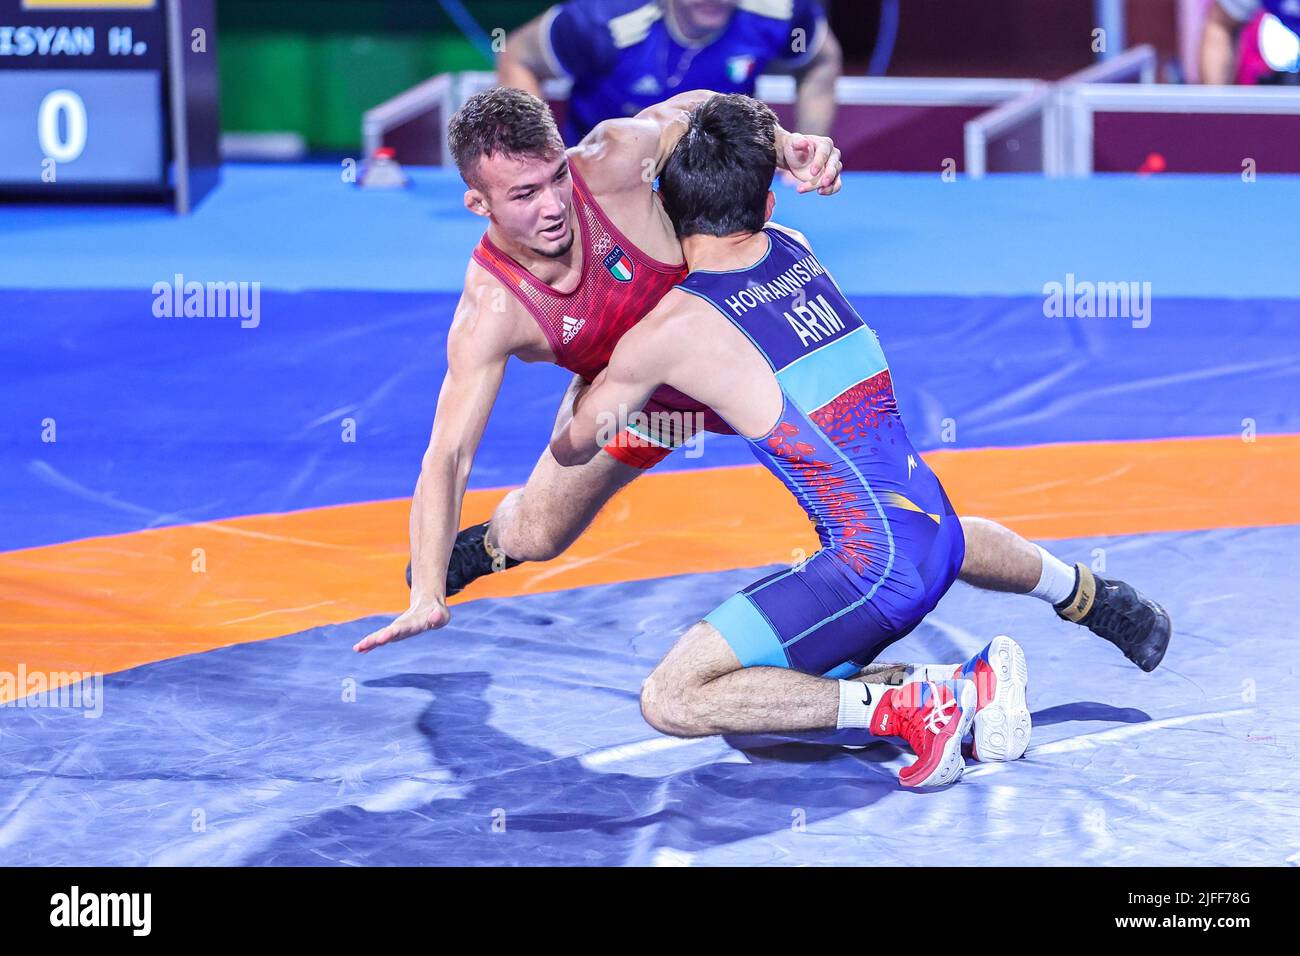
[(428, 615), (813, 161)]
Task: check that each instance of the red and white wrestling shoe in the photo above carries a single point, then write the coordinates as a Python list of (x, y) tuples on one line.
[(1002, 723), (932, 716)]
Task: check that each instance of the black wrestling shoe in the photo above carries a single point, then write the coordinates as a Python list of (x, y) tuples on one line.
[(470, 560), (1116, 611)]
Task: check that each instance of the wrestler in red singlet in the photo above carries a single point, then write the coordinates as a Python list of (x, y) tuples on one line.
[(620, 284)]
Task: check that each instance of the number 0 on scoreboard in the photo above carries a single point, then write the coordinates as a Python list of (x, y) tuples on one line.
[(108, 98)]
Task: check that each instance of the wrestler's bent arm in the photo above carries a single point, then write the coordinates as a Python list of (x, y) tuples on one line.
[(631, 152), (814, 107), (635, 370), (522, 62)]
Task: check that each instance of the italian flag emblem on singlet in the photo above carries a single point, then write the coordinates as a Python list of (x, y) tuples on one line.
[(618, 264)]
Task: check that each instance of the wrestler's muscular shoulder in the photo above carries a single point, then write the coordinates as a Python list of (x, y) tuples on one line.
[(492, 317), (617, 162)]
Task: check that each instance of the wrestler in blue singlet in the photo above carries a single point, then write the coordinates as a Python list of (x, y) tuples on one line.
[(891, 544)]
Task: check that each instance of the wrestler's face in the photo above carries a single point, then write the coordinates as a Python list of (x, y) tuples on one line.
[(530, 200), (703, 16)]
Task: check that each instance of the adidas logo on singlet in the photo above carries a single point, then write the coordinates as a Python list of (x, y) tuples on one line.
[(572, 327)]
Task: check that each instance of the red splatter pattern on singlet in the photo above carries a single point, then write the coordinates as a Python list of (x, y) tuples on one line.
[(830, 496), (856, 416)]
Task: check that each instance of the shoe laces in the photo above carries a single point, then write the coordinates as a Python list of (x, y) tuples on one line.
[(469, 559), (1119, 623), (920, 722), (470, 549)]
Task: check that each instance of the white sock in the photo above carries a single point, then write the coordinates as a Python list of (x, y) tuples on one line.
[(858, 702), (1056, 583), (917, 672)]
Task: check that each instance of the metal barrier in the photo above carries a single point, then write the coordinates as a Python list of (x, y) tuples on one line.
[(1031, 133), (924, 123), (1137, 65), (414, 122), (1085, 103), (1011, 137)]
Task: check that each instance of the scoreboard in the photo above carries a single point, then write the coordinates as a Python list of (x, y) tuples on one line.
[(108, 98)]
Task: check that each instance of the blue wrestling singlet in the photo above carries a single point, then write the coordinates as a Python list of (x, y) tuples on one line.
[(891, 544)]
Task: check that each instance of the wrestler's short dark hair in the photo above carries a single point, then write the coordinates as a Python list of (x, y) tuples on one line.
[(717, 179), (501, 120)]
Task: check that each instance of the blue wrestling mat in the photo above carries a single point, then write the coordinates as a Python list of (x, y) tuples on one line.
[(514, 736)]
